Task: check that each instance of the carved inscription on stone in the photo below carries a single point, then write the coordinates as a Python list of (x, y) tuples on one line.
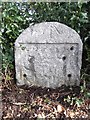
[(49, 64)]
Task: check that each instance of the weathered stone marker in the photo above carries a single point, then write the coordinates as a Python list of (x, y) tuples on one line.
[(48, 54)]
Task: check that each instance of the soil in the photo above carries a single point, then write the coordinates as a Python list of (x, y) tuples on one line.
[(31, 102)]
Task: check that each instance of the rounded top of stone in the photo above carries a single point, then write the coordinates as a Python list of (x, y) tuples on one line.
[(49, 32)]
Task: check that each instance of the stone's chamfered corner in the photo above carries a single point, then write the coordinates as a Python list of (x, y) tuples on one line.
[(48, 54)]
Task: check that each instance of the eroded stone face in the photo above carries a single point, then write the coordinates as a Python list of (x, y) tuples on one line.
[(48, 63)]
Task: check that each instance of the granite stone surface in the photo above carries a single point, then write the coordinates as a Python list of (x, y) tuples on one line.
[(48, 54)]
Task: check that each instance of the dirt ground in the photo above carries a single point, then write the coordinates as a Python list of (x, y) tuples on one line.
[(34, 103)]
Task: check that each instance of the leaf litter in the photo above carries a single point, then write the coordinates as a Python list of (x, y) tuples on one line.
[(26, 103)]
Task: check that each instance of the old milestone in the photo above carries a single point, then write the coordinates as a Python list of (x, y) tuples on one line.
[(48, 54)]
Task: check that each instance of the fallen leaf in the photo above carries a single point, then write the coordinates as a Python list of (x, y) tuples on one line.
[(41, 115), (25, 109), (19, 103), (8, 116), (60, 108), (18, 115), (72, 114)]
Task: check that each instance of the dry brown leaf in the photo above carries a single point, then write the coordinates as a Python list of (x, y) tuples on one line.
[(41, 115), (9, 115), (60, 108), (77, 113), (18, 115), (25, 109), (72, 114), (47, 107)]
